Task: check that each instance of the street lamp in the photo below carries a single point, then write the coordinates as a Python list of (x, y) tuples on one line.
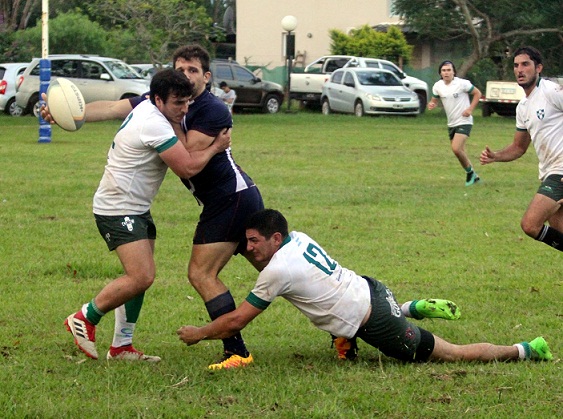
[(289, 23)]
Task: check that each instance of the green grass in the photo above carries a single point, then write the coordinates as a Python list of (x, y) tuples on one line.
[(385, 196)]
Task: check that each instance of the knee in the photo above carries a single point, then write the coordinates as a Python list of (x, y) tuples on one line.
[(531, 229)]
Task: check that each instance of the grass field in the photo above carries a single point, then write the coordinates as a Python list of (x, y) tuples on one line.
[(386, 198)]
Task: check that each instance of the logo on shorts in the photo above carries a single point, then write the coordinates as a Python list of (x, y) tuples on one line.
[(547, 188), (128, 222), (395, 309), (108, 237), (540, 113)]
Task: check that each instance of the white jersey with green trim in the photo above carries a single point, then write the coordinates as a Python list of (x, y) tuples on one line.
[(455, 99), (541, 114), (334, 298), (134, 169)]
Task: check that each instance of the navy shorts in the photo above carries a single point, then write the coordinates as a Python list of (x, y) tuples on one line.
[(122, 229), (225, 221), (388, 330)]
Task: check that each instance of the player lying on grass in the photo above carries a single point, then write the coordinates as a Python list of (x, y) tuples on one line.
[(340, 302)]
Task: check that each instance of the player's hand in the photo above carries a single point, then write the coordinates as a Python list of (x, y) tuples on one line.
[(467, 113), (223, 140), (432, 105), (45, 114), (189, 335), (487, 156)]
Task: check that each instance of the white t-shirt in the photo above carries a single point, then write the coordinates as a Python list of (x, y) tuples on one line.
[(226, 96), (541, 114), (455, 99), (334, 298), (134, 169)]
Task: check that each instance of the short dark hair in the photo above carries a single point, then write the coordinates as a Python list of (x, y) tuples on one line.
[(189, 52), (531, 52), (169, 81), (267, 222), (223, 84), (446, 62)]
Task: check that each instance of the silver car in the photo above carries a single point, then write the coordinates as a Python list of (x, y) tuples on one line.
[(98, 78), (9, 73), (368, 91)]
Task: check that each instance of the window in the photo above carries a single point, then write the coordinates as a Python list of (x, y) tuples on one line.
[(349, 80), (91, 70), (337, 77), (223, 72), (243, 74)]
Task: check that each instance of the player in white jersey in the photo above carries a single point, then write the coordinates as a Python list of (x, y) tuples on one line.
[(454, 93), (340, 302), (141, 152), (539, 120)]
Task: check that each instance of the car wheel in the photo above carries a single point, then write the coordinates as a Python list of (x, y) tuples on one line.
[(34, 105), (422, 100), (486, 110), (359, 108), (12, 108), (272, 104), (325, 107)]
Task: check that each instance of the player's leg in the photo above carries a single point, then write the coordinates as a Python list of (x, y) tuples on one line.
[(458, 147), (138, 263), (206, 261), (545, 207), (537, 350)]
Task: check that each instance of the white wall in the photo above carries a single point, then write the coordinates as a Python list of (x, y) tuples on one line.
[(259, 31)]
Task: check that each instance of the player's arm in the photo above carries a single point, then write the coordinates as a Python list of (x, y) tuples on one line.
[(433, 103), (476, 93), (222, 327), (104, 110), (196, 140), (101, 110), (189, 163), (511, 152)]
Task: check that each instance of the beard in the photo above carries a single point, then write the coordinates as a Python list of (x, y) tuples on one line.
[(528, 84)]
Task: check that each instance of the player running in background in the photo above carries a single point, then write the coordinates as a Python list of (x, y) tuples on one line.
[(539, 120)]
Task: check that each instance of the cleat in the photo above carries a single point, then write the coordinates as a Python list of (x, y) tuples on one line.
[(435, 308), (346, 348), (537, 350), (84, 333), (231, 360), (128, 353), (471, 178)]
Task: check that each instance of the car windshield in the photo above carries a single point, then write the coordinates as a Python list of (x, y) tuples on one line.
[(377, 78), (122, 70)]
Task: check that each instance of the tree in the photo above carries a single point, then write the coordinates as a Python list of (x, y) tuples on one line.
[(160, 26), (366, 42), (491, 27), (69, 33), (16, 14)]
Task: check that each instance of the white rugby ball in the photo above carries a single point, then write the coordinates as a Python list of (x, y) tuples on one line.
[(66, 104)]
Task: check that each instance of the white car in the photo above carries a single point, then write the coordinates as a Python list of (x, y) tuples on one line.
[(368, 91), (9, 73), (97, 78)]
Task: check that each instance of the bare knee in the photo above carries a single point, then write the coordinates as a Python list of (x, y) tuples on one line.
[(530, 228)]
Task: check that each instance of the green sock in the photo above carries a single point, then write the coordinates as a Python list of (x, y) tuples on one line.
[(469, 169), (93, 313)]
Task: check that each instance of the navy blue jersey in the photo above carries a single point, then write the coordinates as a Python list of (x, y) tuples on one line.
[(221, 176)]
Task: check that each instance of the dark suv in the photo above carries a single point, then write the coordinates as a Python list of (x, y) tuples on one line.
[(251, 91)]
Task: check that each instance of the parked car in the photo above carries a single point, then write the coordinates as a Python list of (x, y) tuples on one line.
[(9, 73), (147, 70), (368, 91), (98, 78), (251, 91)]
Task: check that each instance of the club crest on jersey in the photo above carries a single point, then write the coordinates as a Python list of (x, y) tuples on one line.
[(540, 113)]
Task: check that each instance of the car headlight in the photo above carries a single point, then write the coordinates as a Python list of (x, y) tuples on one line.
[(375, 98)]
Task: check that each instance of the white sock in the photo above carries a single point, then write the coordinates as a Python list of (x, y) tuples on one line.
[(521, 350), (123, 332), (405, 308)]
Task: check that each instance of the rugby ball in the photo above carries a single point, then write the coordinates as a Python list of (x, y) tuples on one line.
[(66, 104)]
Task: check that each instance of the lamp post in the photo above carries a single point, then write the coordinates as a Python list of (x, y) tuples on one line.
[(289, 23)]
